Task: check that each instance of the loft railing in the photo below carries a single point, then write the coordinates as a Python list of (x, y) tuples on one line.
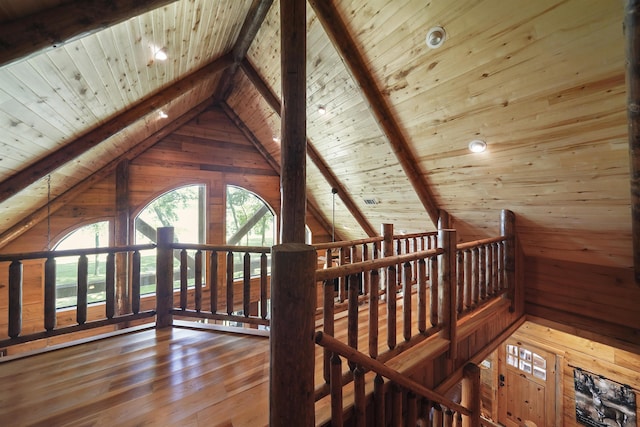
[(83, 320)]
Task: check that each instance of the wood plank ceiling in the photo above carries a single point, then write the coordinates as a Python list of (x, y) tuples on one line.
[(543, 83)]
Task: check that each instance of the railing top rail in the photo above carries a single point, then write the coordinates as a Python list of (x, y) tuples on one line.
[(373, 264), (365, 361), (75, 252), (415, 235), (473, 244), (343, 243), (221, 248)]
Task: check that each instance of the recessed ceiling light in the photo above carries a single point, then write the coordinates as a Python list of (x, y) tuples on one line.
[(436, 37), (275, 138), (322, 110), (163, 115), (477, 146), (161, 54)]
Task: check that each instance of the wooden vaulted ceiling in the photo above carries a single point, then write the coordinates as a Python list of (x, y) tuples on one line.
[(542, 82)]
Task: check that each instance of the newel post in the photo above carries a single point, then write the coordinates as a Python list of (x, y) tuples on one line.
[(470, 397), (293, 305), (508, 230), (164, 277), (447, 289)]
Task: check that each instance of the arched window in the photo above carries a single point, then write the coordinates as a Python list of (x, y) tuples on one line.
[(249, 222), (181, 208), (94, 235)]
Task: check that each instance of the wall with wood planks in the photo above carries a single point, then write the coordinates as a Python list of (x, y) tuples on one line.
[(599, 299), (208, 150), (571, 351)]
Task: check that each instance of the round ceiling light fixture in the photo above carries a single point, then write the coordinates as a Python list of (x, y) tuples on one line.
[(477, 146), (436, 37)]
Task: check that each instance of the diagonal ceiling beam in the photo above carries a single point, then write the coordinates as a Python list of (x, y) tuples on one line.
[(53, 27), (312, 205), (255, 18), (313, 154), (51, 162), (346, 47), (72, 193)]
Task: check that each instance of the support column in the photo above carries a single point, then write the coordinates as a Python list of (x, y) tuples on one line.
[(470, 397), (632, 37), (164, 277), (121, 226), (508, 229), (293, 304), (447, 313), (293, 176)]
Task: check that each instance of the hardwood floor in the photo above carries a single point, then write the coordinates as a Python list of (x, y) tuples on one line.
[(174, 376)]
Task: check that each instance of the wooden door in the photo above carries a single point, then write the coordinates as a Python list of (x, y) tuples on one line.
[(526, 395)]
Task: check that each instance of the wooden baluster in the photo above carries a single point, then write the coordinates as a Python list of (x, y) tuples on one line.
[(422, 296), (246, 288), (81, 301), (399, 266), (489, 268), (482, 278), (460, 281), (468, 278), (15, 298), (352, 316), (336, 391), (342, 281), (135, 282), (263, 286), (458, 420), (501, 265), (475, 272), (50, 294), (229, 282), (396, 405), (213, 281), (328, 320), (110, 286), (198, 280), (415, 262), (448, 418), (359, 399), (433, 277), (374, 292), (424, 409), (391, 306), (412, 409), (494, 269), (379, 401), (406, 301), (437, 415), (407, 249), (184, 274), (365, 278)]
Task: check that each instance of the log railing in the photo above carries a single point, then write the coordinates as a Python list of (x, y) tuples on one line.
[(83, 321), (230, 299), (432, 408)]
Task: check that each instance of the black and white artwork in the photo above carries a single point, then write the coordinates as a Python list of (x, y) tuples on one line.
[(601, 402)]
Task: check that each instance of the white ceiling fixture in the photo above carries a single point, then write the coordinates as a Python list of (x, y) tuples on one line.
[(161, 55), (436, 37), (477, 146)]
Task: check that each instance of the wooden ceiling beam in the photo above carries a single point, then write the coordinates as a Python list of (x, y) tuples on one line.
[(54, 27), (313, 154), (51, 162), (343, 42), (72, 193), (312, 205), (253, 22)]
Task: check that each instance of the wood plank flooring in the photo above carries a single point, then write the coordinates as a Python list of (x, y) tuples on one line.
[(175, 376)]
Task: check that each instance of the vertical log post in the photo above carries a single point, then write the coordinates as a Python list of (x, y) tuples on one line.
[(121, 228), (470, 398), (110, 286), (632, 38), (293, 302), (293, 48), (379, 401), (374, 281), (50, 294), (81, 299), (387, 247), (508, 229), (164, 279), (135, 282), (447, 292), (15, 298)]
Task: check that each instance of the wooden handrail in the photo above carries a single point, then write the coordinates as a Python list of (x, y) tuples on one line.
[(469, 245), (343, 243), (74, 252), (365, 361), (221, 248), (373, 264)]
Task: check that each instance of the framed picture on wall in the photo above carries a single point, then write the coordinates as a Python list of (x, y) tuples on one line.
[(601, 402)]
